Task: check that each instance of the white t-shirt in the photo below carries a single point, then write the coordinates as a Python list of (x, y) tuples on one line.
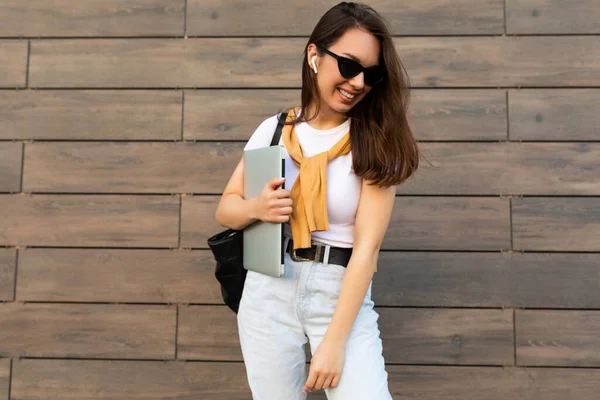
[(343, 186)]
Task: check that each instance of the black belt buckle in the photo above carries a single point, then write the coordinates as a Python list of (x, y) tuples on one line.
[(316, 258)]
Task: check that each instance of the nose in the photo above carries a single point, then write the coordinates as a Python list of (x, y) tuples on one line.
[(358, 82)]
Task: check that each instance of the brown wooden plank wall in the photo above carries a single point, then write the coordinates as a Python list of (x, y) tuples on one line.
[(121, 120)]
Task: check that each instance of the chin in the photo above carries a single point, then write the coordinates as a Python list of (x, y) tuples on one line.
[(340, 107)]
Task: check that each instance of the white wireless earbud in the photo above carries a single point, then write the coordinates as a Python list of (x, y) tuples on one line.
[(314, 65)]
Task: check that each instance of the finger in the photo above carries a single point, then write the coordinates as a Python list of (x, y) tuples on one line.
[(285, 211), (310, 383), (282, 193), (282, 218), (275, 183), (286, 202), (282, 203), (335, 381), (320, 381), (328, 381)]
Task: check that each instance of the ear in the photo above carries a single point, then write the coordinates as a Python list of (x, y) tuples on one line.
[(311, 53)]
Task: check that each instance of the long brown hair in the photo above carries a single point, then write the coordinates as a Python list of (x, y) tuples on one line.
[(384, 149)]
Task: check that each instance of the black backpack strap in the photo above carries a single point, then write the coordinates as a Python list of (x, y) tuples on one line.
[(277, 134)]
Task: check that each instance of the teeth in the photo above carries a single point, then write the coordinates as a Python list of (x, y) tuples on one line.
[(346, 94)]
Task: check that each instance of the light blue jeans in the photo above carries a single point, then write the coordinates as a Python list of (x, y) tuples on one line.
[(278, 316)]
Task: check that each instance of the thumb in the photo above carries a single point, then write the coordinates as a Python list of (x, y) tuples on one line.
[(274, 183)]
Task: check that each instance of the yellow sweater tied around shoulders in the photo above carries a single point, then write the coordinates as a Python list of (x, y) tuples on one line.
[(309, 193)]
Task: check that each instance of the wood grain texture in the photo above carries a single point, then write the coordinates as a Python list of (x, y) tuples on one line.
[(120, 380), (434, 115), (447, 223), (129, 167), (8, 263), (89, 220), (232, 114), (498, 169), (276, 62), (106, 275), (198, 221), (152, 63), (14, 63), (417, 223), (557, 338), (552, 16), (501, 61), (410, 17), (4, 378), (556, 224), (482, 337), (80, 330), (454, 279), (208, 333), (92, 18), (97, 115), (10, 166), (461, 114), (476, 383), (552, 114)]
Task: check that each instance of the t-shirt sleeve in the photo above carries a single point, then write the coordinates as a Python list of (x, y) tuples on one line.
[(263, 135)]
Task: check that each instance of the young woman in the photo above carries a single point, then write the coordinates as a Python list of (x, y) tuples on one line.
[(347, 147)]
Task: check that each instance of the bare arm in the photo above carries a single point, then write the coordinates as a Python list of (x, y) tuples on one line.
[(372, 219), (235, 212)]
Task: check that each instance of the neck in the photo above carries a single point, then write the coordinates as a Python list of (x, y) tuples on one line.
[(326, 118)]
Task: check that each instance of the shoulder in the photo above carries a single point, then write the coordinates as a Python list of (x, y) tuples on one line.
[(263, 134)]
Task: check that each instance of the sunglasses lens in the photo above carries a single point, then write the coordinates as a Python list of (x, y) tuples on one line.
[(348, 68), (373, 76)]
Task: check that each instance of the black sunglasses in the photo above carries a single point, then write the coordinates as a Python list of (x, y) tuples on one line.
[(350, 68)]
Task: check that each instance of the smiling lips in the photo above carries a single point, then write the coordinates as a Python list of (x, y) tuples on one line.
[(346, 94)]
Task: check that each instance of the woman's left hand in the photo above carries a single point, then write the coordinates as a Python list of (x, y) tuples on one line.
[(326, 366)]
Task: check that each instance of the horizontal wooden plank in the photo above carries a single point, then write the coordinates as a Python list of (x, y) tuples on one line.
[(276, 62), (501, 61), (11, 155), (434, 115), (122, 167), (13, 68), (4, 378), (552, 16), (198, 221), (8, 262), (459, 114), (420, 279), (409, 335), (92, 18), (447, 223), (119, 380), (417, 223), (89, 220), (421, 336), (81, 330), (554, 114), (476, 383), (106, 275), (498, 168), (82, 379), (97, 115), (557, 224), (557, 338), (152, 63), (208, 333), (440, 279), (410, 17), (232, 114)]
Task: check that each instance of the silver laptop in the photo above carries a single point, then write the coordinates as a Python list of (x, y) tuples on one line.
[(263, 241)]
